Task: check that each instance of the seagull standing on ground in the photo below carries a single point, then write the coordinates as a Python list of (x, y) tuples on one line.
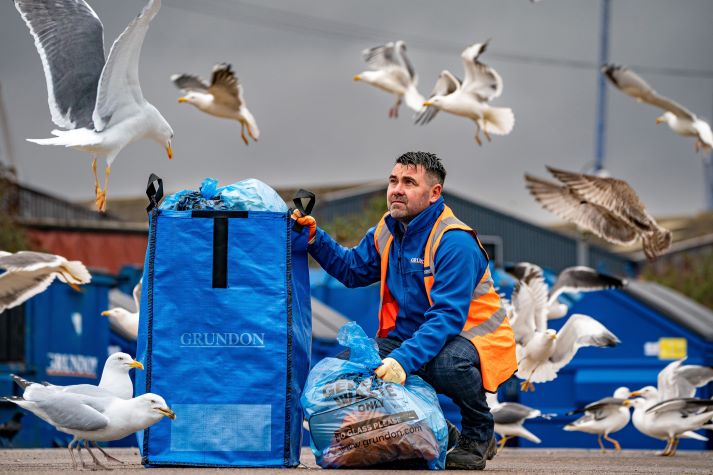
[(29, 273), (678, 118), (223, 97), (608, 207), (95, 419), (126, 322), (604, 417), (392, 72), (470, 97), (99, 102), (509, 418)]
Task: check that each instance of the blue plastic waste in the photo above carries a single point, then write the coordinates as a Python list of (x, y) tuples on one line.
[(358, 420), (246, 195)]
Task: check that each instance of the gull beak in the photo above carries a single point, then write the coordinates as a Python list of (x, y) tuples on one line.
[(660, 120), (553, 337), (181, 100), (166, 411), (635, 394), (626, 403), (106, 313), (136, 364), (169, 151), (357, 77), (427, 104)]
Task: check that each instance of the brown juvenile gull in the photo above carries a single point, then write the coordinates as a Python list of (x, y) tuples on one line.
[(223, 97), (99, 102), (469, 98), (608, 207), (29, 273), (393, 72), (679, 119)]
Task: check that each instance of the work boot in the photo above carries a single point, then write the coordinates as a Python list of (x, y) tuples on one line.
[(492, 450), (468, 455), (453, 435)]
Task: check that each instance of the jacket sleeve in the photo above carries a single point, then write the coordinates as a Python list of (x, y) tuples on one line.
[(459, 264), (354, 267)]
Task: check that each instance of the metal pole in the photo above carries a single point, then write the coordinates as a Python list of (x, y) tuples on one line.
[(602, 89)]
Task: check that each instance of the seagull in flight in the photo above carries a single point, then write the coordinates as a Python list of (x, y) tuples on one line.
[(29, 273), (470, 98), (608, 207), (393, 72), (678, 118), (223, 97), (98, 101)]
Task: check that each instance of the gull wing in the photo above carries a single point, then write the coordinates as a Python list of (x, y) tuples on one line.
[(119, 83), (480, 79), (69, 38)]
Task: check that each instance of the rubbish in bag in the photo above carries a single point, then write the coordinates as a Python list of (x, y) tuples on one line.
[(356, 419), (245, 195)]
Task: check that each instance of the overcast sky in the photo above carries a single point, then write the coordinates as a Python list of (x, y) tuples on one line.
[(296, 60)]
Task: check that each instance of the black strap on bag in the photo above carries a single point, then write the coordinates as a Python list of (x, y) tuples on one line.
[(305, 210), (154, 191)]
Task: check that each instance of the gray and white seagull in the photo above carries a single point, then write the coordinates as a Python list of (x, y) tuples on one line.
[(678, 118), (29, 273), (98, 101)]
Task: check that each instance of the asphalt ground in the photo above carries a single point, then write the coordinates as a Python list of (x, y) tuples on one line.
[(511, 460)]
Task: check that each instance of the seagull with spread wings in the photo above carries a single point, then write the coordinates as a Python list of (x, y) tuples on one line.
[(469, 98), (29, 273), (570, 280), (677, 380), (608, 207), (223, 97), (99, 101), (679, 119), (542, 352), (393, 72)]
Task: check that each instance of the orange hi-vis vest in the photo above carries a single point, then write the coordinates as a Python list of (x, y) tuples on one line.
[(487, 326)]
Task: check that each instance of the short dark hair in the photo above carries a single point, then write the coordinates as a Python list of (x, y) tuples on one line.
[(429, 161)]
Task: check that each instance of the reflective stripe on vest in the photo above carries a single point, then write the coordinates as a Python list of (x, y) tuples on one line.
[(487, 325)]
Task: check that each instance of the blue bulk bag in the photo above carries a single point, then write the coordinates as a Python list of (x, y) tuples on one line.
[(224, 335), (358, 420)]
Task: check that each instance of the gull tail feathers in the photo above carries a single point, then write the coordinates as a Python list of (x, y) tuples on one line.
[(526, 434), (414, 99), (498, 120), (689, 434), (70, 138)]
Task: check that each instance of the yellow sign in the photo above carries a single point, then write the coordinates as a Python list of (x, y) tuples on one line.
[(672, 348)]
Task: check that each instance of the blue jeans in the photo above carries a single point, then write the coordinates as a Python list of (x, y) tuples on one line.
[(455, 372)]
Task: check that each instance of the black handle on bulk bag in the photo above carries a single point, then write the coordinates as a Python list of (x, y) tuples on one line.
[(305, 210), (154, 191)]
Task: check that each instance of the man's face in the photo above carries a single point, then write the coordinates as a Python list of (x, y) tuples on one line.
[(410, 191)]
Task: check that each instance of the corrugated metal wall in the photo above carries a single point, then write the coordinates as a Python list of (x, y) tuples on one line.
[(521, 241)]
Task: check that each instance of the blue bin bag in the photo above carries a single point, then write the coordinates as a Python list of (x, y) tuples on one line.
[(245, 195), (225, 336), (357, 420)]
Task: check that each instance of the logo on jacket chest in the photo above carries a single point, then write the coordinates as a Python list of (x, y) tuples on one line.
[(416, 260)]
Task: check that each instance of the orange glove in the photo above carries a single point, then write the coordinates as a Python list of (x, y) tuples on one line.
[(308, 222), (391, 371)]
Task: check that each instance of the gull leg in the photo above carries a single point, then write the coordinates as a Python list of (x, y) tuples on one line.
[(71, 454), (108, 457), (601, 445), (485, 131), (674, 447), (79, 453), (501, 443), (94, 458), (617, 447), (527, 385), (666, 450), (477, 134), (99, 196), (242, 132)]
